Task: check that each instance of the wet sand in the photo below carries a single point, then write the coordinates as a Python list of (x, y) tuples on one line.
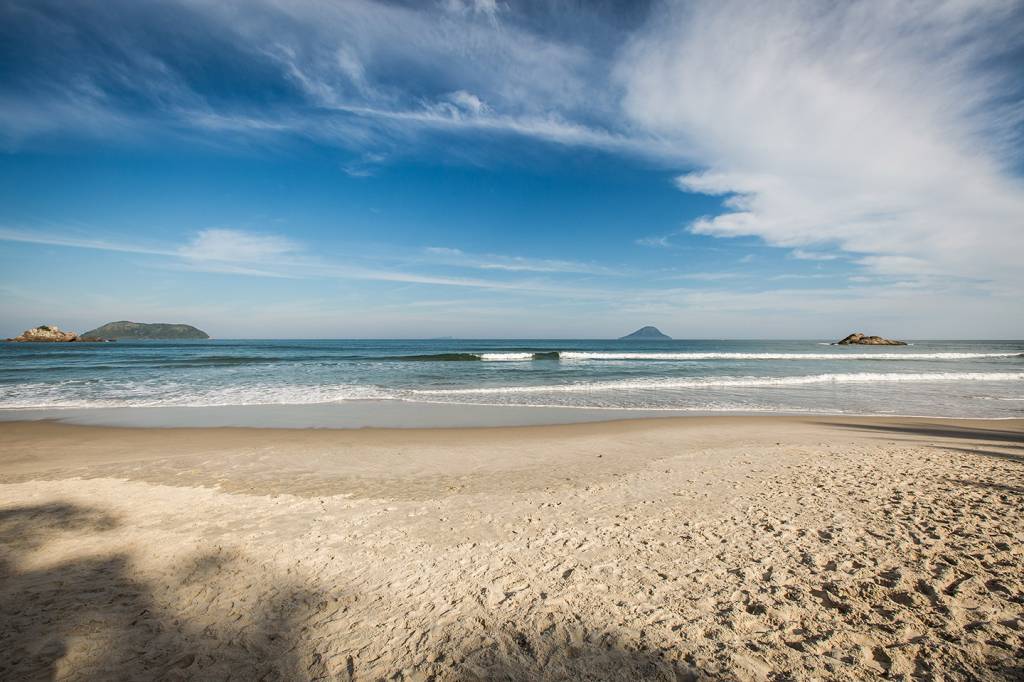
[(696, 548)]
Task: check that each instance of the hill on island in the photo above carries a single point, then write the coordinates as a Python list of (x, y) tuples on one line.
[(141, 330), (646, 334)]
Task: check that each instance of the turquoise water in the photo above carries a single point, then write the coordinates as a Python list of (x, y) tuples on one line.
[(932, 378)]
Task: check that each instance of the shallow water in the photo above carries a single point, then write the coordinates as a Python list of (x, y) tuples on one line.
[(930, 378)]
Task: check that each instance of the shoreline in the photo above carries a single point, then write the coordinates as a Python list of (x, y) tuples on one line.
[(86, 444), (394, 414)]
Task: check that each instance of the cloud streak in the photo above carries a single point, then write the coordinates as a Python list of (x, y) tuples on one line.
[(457, 257), (736, 303), (221, 244), (237, 252), (37, 237)]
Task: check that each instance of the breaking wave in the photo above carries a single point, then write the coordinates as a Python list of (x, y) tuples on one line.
[(526, 356), (572, 355), (734, 382), (479, 357), (153, 394)]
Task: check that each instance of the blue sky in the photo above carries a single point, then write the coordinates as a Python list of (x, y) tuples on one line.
[(502, 169)]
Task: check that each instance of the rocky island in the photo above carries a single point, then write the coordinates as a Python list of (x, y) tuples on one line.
[(862, 340), (142, 330), (51, 333), (646, 334)]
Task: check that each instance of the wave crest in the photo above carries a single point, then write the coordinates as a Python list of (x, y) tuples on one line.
[(526, 356), (597, 355), (735, 382)]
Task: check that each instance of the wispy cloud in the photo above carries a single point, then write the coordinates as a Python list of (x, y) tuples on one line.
[(38, 237), (708, 276), (221, 244), (801, 254), (459, 258), (367, 76), (237, 252), (365, 166), (880, 130), (658, 241), (442, 251)]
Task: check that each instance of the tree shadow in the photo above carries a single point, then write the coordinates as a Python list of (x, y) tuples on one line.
[(91, 618), (991, 485), (94, 618), (991, 438), (995, 454), (939, 431), (25, 528)]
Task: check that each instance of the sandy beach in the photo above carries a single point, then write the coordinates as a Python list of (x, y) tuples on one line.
[(748, 548)]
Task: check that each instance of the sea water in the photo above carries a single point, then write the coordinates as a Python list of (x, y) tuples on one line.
[(927, 378)]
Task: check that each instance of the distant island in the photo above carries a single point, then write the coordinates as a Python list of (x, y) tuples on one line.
[(141, 330), (646, 334), (50, 333), (861, 340)]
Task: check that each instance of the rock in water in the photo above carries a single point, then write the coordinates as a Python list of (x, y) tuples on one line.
[(45, 333), (859, 339), (646, 334), (141, 330)]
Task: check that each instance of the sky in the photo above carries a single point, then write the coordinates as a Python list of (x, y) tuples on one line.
[(497, 169)]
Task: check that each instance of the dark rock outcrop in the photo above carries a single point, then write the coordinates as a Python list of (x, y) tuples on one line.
[(646, 334), (141, 330), (861, 340)]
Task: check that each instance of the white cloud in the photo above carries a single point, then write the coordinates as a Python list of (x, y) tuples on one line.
[(358, 74), (801, 254), (457, 257), (488, 8), (898, 265), (235, 245), (405, 68), (878, 128), (365, 166), (443, 115), (662, 241), (443, 251), (468, 102), (708, 276)]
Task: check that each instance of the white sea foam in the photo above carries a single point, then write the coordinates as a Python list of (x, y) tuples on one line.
[(585, 356), (690, 356), (78, 394), (734, 382), (839, 355), (146, 394)]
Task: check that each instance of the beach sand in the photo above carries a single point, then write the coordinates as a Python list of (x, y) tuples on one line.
[(698, 548)]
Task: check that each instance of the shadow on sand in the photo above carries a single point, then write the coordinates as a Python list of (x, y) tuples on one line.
[(949, 437), (95, 618)]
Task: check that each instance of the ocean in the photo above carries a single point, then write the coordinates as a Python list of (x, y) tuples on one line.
[(981, 379)]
